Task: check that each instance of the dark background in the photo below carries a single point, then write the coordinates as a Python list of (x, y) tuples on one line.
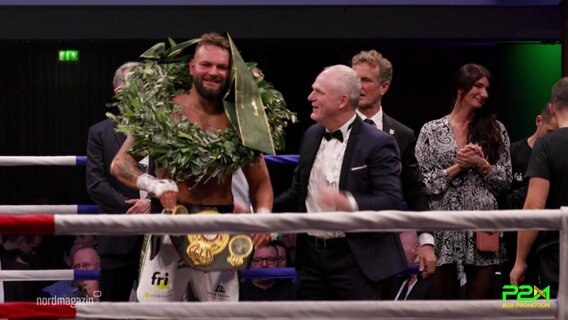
[(47, 106)]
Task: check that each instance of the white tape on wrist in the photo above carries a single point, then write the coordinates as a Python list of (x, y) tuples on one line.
[(263, 210), (155, 187)]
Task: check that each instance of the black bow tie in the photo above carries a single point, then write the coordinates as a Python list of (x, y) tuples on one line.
[(333, 135), (369, 121)]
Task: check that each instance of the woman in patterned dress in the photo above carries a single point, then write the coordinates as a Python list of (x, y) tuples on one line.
[(464, 159)]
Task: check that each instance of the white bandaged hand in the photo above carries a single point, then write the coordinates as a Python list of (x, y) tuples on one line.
[(156, 187), (263, 210)]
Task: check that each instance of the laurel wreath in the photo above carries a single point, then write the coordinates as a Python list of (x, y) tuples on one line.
[(186, 151)]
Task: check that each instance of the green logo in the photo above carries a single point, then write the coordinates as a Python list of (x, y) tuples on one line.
[(525, 292)]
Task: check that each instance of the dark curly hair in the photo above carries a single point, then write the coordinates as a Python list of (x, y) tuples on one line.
[(483, 128)]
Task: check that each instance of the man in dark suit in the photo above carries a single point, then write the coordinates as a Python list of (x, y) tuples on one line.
[(375, 73), (345, 165), (119, 255), (411, 286)]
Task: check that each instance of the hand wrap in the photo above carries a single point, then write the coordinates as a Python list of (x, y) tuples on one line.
[(156, 187), (262, 210)]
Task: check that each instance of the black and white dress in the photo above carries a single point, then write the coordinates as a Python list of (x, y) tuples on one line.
[(436, 150)]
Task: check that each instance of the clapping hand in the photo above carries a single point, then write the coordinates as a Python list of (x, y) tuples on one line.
[(470, 156), (331, 199)]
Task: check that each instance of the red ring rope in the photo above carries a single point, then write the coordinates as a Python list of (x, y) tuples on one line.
[(27, 225), (32, 310)]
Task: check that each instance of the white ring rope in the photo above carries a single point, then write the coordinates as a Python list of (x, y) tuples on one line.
[(314, 309), (349, 222), (295, 223), (37, 275), (10, 161), (120, 224), (40, 209)]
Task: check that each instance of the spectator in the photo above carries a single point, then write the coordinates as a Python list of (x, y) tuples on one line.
[(16, 255), (119, 254), (266, 289), (465, 161), (375, 72), (283, 258), (82, 257), (289, 241)]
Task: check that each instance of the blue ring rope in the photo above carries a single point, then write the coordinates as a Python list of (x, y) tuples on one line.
[(260, 273), (276, 159), (79, 274)]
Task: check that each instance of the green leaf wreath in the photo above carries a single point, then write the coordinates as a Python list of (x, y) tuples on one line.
[(186, 151)]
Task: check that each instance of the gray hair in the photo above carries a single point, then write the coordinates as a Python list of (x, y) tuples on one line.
[(120, 74), (348, 82), (559, 95)]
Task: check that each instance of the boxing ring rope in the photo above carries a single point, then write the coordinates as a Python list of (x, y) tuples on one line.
[(363, 221), (77, 274), (49, 209), (11, 161), (297, 223), (48, 275), (59, 224), (6, 161), (407, 310)]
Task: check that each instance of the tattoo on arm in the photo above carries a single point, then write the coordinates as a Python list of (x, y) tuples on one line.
[(126, 170)]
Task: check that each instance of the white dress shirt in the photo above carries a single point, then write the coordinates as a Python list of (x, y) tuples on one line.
[(325, 173), (405, 284), (377, 118)]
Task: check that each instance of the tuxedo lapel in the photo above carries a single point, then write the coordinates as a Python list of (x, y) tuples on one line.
[(349, 151)]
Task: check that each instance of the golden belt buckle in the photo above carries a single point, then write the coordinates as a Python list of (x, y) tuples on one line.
[(203, 248)]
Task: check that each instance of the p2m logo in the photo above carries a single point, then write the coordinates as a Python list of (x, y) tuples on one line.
[(525, 292)]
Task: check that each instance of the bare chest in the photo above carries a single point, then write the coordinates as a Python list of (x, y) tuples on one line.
[(208, 121)]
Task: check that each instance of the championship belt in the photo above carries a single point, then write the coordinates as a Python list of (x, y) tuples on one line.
[(212, 252)]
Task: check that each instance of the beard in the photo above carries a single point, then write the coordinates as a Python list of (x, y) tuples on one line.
[(206, 93)]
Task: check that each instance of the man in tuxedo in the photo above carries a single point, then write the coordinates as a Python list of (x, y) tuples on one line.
[(119, 255), (375, 73), (345, 165)]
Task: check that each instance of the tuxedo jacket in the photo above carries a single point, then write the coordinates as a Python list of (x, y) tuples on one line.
[(370, 172), (413, 188), (104, 189)]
